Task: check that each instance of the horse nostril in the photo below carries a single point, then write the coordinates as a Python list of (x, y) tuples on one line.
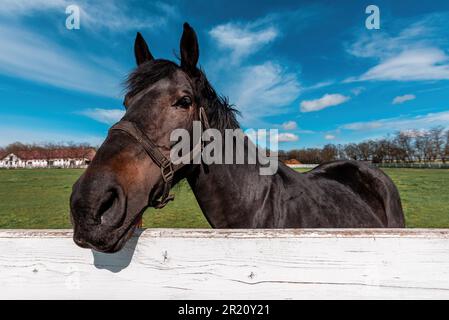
[(107, 203), (111, 210)]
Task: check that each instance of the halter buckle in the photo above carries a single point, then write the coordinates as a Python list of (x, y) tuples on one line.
[(167, 171)]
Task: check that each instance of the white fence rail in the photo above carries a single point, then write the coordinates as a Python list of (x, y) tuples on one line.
[(229, 264)]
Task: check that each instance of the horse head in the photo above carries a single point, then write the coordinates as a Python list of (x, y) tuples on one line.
[(130, 171)]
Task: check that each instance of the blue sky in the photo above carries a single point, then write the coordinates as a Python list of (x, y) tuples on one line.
[(308, 68)]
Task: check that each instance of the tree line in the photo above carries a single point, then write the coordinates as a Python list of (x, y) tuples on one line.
[(18, 146), (401, 147)]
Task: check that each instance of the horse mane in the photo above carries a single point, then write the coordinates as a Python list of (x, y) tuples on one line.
[(220, 113), (147, 74)]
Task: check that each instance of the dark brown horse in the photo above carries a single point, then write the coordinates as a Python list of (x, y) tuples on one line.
[(125, 177)]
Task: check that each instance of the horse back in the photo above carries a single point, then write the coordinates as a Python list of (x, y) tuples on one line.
[(369, 183)]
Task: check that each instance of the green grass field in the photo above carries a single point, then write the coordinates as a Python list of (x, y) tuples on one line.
[(39, 199)]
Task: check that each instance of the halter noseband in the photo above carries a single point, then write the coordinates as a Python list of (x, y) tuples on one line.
[(168, 169)]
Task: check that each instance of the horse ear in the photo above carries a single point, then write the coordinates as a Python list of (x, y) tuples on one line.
[(189, 49), (141, 50)]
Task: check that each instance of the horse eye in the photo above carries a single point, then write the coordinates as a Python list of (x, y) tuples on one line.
[(184, 102)]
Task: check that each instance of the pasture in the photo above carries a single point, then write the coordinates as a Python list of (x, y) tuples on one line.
[(38, 199)]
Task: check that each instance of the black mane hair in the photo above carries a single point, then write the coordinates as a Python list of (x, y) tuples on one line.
[(220, 113), (147, 74)]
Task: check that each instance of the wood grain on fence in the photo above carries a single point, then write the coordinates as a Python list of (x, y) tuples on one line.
[(229, 264)]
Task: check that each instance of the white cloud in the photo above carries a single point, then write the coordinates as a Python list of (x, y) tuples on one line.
[(117, 16), (26, 7), (412, 65), (413, 54), (290, 125), (319, 85), (360, 126), (287, 137), (329, 137), (328, 100), (113, 15), (264, 138), (383, 45), (357, 91), (402, 123), (242, 40), (404, 98), (414, 133), (108, 116), (262, 90), (304, 131), (30, 56)]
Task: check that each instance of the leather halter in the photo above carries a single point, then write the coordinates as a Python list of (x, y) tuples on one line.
[(168, 169)]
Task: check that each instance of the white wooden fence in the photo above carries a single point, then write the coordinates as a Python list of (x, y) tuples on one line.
[(229, 264)]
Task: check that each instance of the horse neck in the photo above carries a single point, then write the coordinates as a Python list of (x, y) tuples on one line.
[(229, 194)]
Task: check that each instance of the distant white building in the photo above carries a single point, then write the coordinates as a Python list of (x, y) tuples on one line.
[(57, 158)]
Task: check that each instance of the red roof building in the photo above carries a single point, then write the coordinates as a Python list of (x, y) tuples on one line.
[(41, 158)]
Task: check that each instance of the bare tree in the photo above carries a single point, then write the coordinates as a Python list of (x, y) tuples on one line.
[(404, 146), (352, 151), (341, 154), (437, 140), (329, 153), (364, 150), (380, 150), (310, 155), (446, 147), (16, 146), (419, 145), (428, 147)]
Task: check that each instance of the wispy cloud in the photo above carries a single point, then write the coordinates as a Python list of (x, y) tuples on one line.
[(329, 137), (263, 90), (383, 45), (402, 123), (287, 137), (28, 7), (30, 56), (267, 88), (113, 15), (357, 91), (328, 100), (414, 54), (108, 116), (243, 39), (404, 98), (363, 126), (412, 65), (264, 139), (319, 85), (290, 125), (118, 16)]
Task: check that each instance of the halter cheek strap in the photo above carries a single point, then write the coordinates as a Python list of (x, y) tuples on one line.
[(168, 170)]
